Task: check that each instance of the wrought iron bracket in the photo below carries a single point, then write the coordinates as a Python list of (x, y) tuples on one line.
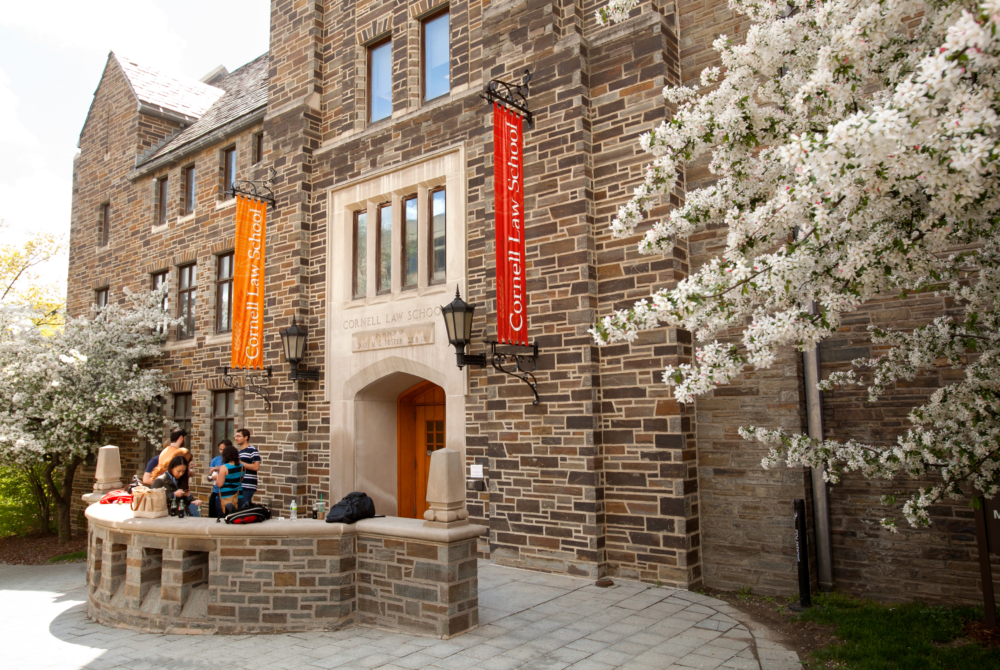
[(253, 381), (259, 189), (298, 373), (514, 96), (511, 360)]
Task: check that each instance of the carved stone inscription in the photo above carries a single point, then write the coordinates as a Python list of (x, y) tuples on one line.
[(404, 336)]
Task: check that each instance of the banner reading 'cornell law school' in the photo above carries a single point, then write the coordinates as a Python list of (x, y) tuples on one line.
[(508, 188), (248, 284)]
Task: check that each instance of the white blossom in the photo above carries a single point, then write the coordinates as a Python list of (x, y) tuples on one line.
[(856, 156)]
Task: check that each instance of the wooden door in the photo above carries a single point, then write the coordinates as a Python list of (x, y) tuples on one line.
[(421, 432)]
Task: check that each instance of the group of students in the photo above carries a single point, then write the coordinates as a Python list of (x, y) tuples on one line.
[(233, 473)]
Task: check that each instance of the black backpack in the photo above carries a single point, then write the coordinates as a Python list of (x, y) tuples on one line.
[(249, 514), (354, 507)]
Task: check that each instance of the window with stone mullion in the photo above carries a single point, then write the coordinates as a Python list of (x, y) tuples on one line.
[(418, 222), (223, 417), (187, 293)]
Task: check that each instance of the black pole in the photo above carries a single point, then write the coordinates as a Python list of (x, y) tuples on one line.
[(983, 542), (802, 553)]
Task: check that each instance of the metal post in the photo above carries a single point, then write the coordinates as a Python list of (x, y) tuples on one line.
[(821, 503), (986, 573), (802, 553)]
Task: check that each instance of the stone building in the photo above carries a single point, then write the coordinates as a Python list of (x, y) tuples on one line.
[(370, 116)]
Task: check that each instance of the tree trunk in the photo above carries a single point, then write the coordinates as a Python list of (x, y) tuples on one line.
[(41, 499), (63, 498)]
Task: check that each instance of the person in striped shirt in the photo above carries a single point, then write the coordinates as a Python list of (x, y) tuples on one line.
[(250, 458)]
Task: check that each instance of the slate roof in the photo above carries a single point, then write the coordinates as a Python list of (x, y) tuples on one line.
[(187, 97), (245, 92)]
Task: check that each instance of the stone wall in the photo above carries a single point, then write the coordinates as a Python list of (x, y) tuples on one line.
[(193, 575), (416, 586)]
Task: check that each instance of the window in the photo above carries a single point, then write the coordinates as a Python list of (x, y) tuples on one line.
[(104, 225), (410, 252), (228, 172), (189, 183), (101, 298), (186, 294), (258, 148), (160, 279), (384, 248), (436, 56), (182, 412), (380, 81), (161, 200), (224, 295), (438, 252), (223, 417), (360, 282)]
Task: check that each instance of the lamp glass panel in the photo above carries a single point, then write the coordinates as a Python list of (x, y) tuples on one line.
[(468, 322), (449, 323)]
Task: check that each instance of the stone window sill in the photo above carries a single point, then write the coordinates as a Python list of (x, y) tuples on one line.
[(160, 229), (223, 204), (185, 219), (173, 345), (408, 294), (220, 338)]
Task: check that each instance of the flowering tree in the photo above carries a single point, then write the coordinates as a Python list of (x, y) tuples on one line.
[(856, 154), (20, 283), (58, 391)]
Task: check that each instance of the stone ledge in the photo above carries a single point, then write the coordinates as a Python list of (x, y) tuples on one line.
[(119, 517)]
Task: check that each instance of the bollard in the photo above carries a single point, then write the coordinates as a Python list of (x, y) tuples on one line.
[(802, 554)]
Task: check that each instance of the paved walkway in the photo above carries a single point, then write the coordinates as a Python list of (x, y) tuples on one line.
[(527, 620)]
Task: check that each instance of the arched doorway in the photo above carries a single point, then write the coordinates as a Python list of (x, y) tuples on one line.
[(420, 421)]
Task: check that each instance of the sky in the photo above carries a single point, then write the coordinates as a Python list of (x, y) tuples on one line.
[(52, 55)]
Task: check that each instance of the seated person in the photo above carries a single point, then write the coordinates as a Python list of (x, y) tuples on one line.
[(176, 442), (229, 479), (175, 481)]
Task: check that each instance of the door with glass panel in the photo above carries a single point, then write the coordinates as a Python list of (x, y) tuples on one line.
[(420, 432)]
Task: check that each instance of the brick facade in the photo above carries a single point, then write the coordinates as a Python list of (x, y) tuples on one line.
[(607, 475)]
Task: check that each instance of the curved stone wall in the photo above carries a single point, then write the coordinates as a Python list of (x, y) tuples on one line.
[(198, 576)]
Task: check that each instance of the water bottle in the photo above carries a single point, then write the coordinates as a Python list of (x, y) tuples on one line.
[(293, 511)]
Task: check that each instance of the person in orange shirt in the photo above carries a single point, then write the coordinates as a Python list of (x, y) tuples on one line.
[(158, 464)]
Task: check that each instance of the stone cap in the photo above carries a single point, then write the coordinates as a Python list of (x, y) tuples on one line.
[(119, 518)]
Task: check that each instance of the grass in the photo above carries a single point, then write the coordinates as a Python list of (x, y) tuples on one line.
[(897, 637), (72, 556)]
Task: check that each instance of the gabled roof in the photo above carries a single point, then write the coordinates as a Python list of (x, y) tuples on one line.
[(245, 96), (188, 98)]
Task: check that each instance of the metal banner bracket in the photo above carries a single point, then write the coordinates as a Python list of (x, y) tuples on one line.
[(514, 96), (259, 189), (250, 380)]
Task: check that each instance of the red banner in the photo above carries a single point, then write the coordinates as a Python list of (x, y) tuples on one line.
[(508, 188), (248, 284)]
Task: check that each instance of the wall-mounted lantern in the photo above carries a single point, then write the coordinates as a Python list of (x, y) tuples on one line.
[(458, 323), (293, 341)]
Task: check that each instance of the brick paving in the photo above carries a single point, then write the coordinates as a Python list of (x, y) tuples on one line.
[(528, 620)]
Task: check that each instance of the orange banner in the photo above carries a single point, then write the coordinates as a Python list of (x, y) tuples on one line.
[(248, 284)]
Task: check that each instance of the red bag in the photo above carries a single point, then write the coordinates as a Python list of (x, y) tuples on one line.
[(117, 497)]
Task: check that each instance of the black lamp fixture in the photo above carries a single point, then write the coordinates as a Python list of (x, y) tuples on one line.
[(293, 341), (458, 323)]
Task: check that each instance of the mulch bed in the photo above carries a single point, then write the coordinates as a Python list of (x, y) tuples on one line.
[(37, 549), (802, 636), (986, 637)]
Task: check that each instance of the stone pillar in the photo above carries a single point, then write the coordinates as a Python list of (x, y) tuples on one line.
[(446, 490), (108, 473)]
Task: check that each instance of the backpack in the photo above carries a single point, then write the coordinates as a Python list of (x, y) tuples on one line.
[(354, 507), (249, 514)]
